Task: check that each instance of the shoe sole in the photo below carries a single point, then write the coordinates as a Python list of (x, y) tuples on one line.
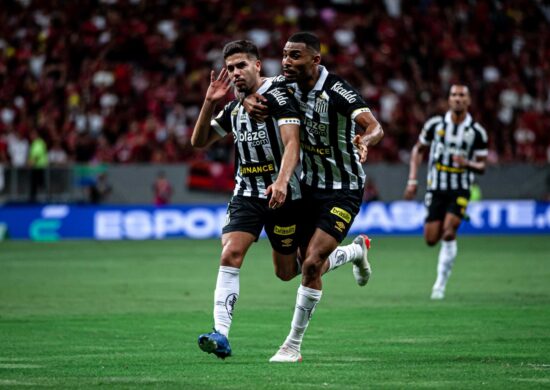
[(208, 345)]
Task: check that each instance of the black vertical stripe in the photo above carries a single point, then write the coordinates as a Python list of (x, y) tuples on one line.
[(333, 132)]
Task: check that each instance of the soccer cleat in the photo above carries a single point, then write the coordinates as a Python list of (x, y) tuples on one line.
[(438, 294), (361, 266), (286, 354), (215, 343)]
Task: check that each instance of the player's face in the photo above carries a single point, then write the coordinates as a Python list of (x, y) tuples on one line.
[(244, 71), (459, 98), (299, 61)]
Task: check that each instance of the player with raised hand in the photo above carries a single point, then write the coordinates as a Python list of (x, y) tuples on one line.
[(266, 184)]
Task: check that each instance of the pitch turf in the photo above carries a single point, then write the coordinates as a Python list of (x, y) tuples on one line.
[(127, 314)]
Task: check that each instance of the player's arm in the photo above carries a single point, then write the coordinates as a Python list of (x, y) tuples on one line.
[(372, 135), (477, 165), (417, 155), (291, 156), (204, 134)]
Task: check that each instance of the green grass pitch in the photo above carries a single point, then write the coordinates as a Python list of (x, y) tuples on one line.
[(127, 315)]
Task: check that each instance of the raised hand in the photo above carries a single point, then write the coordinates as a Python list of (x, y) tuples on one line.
[(219, 86)]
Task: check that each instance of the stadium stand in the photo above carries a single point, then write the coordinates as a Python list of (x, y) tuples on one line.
[(121, 81)]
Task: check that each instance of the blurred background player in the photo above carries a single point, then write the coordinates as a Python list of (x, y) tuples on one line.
[(458, 148), (332, 178), (162, 190)]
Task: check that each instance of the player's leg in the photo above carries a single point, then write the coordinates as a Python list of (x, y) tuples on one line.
[(245, 221), (334, 213), (456, 209), (308, 295)]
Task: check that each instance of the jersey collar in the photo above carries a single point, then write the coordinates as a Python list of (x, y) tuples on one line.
[(467, 119)]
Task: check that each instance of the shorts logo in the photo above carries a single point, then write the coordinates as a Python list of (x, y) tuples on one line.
[(340, 226), (284, 230), (341, 213), (462, 201), (287, 242)]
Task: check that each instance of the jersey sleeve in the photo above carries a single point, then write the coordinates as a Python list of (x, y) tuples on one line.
[(428, 131), (480, 146), (282, 106), (346, 99), (221, 123)]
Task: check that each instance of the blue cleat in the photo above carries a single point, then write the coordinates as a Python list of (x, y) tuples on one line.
[(215, 343)]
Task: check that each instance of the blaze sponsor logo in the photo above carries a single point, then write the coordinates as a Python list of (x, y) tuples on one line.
[(343, 214), (284, 230), (346, 94), (255, 137), (257, 169), (315, 128)]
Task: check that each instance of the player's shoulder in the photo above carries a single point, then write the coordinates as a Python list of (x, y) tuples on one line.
[(433, 120), (277, 94), (478, 128), (336, 85), (229, 107)]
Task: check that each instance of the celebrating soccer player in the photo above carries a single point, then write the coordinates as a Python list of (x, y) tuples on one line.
[(332, 177)]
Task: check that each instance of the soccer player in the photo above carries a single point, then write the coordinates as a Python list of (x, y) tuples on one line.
[(458, 148), (267, 190), (267, 154), (332, 177)]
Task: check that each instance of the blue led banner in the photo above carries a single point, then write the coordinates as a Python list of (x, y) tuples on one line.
[(55, 222)]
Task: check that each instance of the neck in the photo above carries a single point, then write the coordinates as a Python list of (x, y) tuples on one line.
[(308, 84), (458, 116)]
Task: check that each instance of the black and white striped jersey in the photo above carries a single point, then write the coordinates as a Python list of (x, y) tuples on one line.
[(259, 146), (329, 159), (468, 139)]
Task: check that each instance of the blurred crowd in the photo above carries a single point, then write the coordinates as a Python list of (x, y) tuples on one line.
[(118, 81)]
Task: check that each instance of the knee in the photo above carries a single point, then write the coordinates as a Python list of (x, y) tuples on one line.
[(312, 268), (449, 235), (431, 241), (231, 257), (284, 275)]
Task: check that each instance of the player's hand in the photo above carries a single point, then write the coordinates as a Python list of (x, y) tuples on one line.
[(255, 105), (361, 143), (460, 161), (410, 191), (278, 194), (219, 86)]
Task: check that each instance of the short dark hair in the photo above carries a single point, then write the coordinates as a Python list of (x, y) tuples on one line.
[(311, 40), (241, 46)]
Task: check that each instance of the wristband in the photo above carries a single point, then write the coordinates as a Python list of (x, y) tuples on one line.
[(412, 182)]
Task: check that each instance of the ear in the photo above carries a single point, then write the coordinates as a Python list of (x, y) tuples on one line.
[(258, 65), (317, 59)]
